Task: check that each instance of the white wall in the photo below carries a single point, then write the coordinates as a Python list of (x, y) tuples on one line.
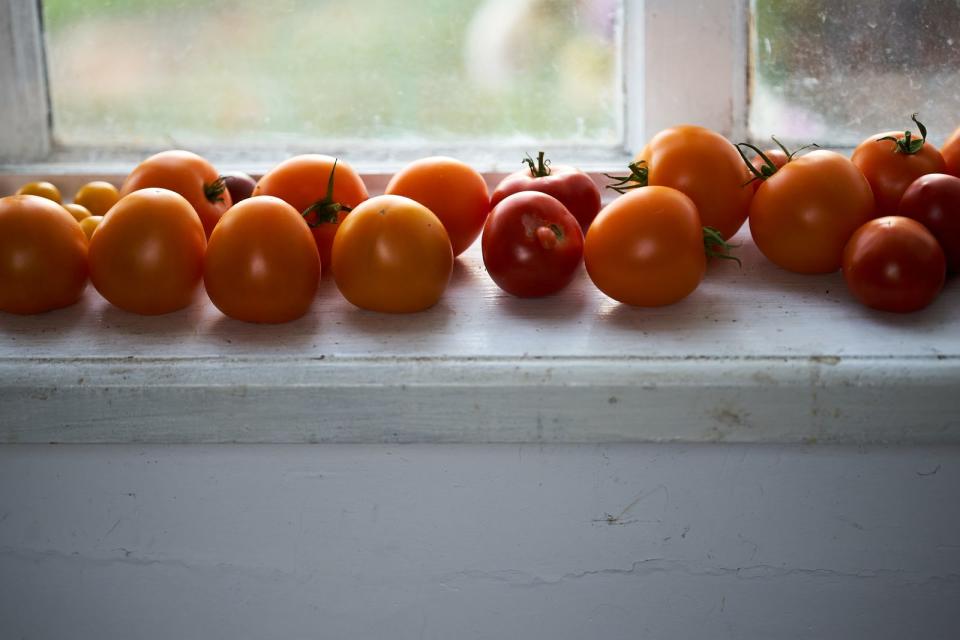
[(479, 541)]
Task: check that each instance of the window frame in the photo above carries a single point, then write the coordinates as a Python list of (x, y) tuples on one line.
[(679, 61)]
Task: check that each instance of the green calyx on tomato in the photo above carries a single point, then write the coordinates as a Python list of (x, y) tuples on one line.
[(539, 168), (638, 177), (907, 144), (213, 191), (326, 210), (716, 247), (769, 167)]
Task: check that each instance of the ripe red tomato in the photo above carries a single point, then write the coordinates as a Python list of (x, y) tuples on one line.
[(239, 184), (951, 153), (322, 188), (43, 255), (392, 255), (891, 161), (532, 245), (934, 201), (262, 263), (706, 167), (146, 256), (894, 264), (573, 188), (802, 216), (646, 248), (189, 175)]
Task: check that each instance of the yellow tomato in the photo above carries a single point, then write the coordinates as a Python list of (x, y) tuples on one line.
[(89, 225), (97, 196), (78, 211), (42, 189)]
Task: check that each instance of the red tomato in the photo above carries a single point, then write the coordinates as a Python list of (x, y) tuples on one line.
[(187, 174), (239, 184), (262, 263), (934, 201), (706, 167), (532, 245), (322, 188), (951, 153), (455, 192), (146, 256), (894, 264), (43, 255), (573, 188), (646, 248), (802, 216), (891, 161)]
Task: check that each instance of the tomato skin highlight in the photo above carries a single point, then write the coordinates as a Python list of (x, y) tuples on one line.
[(802, 216), (146, 255), (262, 263), (951, 153), (706, 167), (934, 201), (894, 264), (392, 255), (572, 187), (454, 191), (532, 245), (646, 248), (301, 181), (43, 256), (890, 172)]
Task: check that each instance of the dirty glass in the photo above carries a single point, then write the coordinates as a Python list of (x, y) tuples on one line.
[(245, 72), (836, 71)]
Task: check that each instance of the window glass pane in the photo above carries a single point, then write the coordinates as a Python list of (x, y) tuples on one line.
[(235, 72), (836, 71)]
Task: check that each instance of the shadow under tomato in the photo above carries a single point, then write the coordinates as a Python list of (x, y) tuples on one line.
[(693, 313), (52, 324), (434, 320)]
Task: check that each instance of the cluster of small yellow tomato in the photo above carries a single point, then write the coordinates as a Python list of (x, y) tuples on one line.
[(889, 217)]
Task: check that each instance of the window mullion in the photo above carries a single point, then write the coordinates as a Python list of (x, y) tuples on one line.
[(24, 102)]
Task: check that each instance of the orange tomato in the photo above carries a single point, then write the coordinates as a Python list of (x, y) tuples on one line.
[(646, 248), (43, 189), (323, 196), (78, 211), (262, 263), (455, 192), (43, 255), (146, 256), (189, 175), (392, 254), (951, 153), (706, 167), (89, 225), (97, 197)]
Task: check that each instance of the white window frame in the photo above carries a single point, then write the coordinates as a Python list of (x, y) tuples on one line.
[(681, 61)]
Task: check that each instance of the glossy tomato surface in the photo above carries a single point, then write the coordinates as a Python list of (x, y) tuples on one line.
[(646, 247), (454, 191), (262, 263), (532, 245), (894, 264), (393, 255), (304, 181), (706, 167), (890, 171), (572, 187), (97, 196), (146, 256), (188, 174), (951, 153), (803, 215), (43, 255), (934, 201)]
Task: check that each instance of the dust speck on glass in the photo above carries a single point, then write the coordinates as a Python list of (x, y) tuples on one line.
[(837, 71), (172, 72)]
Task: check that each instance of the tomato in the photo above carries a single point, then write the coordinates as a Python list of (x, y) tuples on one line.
[(89, 225), (78, 211), (392, 254), (321, 188), (646, 248), (934, 201), (766, 163), (146, 256), (951, 153), (532, 245), (802, 216), (189, 175), (455, 192), (891, 161), (706, 167), (97, 197), (239, 184), (43, 256), (894, 264), (262, 263), (43, 189), (573, 188)]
